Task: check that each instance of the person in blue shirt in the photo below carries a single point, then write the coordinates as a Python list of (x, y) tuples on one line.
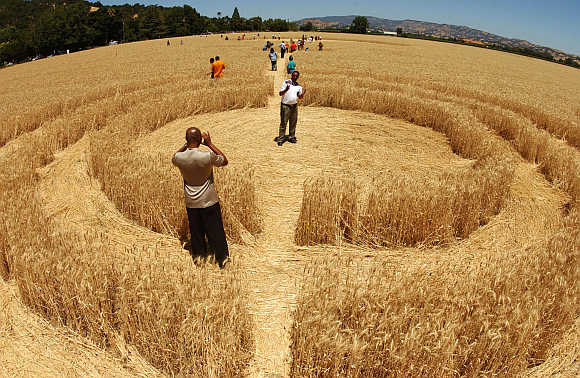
[(291, 65)]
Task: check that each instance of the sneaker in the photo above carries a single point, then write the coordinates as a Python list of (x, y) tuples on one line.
[(280, 143), (292, 139)]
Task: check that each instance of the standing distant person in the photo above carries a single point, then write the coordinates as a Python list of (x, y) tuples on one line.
[(282, 49), (291, 65), (218, 68), (212, 72), (320, 46), (273, 59), (290, 92), (201, 200), (293, 47)]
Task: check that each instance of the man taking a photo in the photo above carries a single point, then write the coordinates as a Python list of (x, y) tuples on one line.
[(201, 200)]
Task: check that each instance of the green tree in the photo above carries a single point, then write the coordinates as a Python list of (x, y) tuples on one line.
[(359, 25), (14, 45), (293, 26), (174, 20), (255, 24), (276, 25), (150, 26), (193, 20), (236, 20), (307, 27)]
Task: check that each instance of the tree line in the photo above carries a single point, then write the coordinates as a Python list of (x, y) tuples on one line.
[(30, 28)]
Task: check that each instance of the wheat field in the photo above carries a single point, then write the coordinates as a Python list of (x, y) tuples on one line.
[(425, 224)]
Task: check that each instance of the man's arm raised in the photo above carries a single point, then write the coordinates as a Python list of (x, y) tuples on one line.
[(283, 92), (211, 146)]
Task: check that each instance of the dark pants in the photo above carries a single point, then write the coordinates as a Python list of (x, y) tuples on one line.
[(288, 113), (207, 222), (274, 66), (282, 53)]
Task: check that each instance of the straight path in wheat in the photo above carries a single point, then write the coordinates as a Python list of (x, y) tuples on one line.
[(275, 266)]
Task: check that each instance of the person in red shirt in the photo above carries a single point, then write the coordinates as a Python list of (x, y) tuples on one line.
[(293, 46)]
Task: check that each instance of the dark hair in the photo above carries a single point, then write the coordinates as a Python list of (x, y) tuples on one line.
[(211, 60), (296, 72), (217, 57), (291, 57), (272, 50)]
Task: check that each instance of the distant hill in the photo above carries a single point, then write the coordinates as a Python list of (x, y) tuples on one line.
[(438, 30)]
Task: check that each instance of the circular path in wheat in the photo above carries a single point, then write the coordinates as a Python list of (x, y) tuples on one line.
[(333, 142)]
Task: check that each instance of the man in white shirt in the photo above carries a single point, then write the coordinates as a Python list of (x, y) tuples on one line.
[(290, 92), (201, 200)]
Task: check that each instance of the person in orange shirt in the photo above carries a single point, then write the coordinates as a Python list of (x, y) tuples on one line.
[(218, 68)]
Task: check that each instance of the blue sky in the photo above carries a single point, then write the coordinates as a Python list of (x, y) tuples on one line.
[(553, 23)]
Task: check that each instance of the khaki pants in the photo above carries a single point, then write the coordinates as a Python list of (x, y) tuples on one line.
[(288, 113)]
